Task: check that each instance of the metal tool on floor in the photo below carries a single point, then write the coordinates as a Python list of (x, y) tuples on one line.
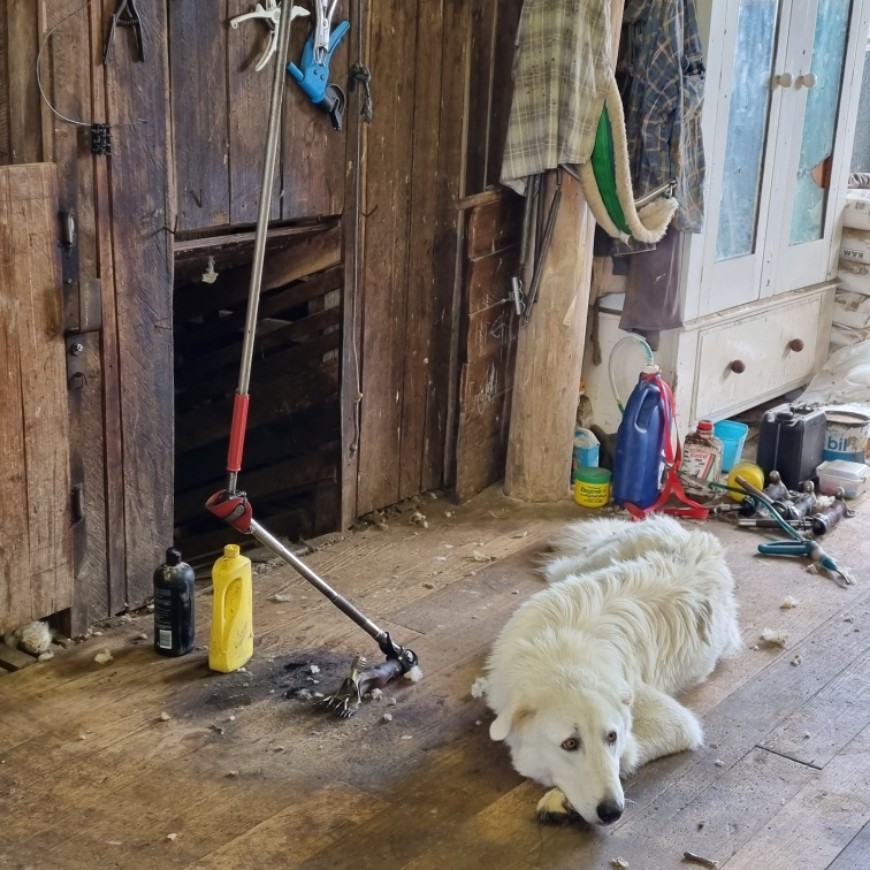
[(312, 74), (231, 504), (270, 15), (125, 16), (358, 683), (797, 545), (824, 520)]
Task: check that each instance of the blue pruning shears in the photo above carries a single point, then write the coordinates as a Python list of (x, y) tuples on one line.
[(313, 73)]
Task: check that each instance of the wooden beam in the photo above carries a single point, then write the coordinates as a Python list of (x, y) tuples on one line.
[(142, 201), (550, 348), (36, 574)]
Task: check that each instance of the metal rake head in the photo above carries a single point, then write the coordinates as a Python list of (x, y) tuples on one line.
[(346, 700)]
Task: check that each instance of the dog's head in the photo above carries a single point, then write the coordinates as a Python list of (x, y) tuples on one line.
[(573, 733)]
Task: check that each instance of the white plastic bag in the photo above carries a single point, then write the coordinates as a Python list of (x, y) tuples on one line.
[(844, 380)]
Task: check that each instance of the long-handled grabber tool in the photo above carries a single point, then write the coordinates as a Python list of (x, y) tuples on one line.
[(797, 545), (231, 504)]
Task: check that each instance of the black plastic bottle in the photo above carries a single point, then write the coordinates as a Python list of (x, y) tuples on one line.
[(174, 593)]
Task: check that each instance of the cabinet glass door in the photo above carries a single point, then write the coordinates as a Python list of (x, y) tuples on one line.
[(822, 81), (813, 111), (743, 150), (746, 138)]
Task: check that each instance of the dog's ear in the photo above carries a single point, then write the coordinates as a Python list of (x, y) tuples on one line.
[(507, 720)]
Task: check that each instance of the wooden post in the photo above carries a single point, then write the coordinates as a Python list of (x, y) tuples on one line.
[(550, 356), (550, 348)]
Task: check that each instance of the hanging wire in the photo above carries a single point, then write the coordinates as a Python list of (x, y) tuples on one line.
[(101, 133), (650, 362), (365, 114), (49, 33)]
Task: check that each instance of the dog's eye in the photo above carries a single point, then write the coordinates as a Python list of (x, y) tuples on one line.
[(572, 744), (611, 737)]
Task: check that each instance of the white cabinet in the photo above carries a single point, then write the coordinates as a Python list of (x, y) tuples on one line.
[(781, 102), (723, 363), (746, 355), (782, 88)]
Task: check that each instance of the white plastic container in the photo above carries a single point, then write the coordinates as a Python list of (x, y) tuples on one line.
[(834, 473)]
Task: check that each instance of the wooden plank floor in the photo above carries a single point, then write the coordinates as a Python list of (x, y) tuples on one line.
[(161, 763)]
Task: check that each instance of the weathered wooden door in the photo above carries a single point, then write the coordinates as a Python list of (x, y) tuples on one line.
[(36, 564)]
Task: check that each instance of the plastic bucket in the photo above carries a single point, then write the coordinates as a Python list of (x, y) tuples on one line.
[(733, 436), (592, 487), (846, 435), (586, 448)]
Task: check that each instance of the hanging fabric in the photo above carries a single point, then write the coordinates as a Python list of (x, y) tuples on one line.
[(563, 76), (607, 182)]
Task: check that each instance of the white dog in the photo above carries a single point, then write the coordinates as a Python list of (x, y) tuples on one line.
[(582, 676)]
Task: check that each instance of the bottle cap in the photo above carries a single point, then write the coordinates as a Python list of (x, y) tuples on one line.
[(705, 425), (231, 551), (173, 557)]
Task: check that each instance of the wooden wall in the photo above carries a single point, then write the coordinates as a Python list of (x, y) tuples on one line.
[(118, 271), (489, 342), (36, 564), (384, 316), (220, 110), (443, 90)]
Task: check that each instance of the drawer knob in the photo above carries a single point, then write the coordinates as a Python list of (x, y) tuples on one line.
[(738, 367), (796, 344)]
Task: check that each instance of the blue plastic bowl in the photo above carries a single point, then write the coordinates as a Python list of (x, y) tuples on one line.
[(733, 436)]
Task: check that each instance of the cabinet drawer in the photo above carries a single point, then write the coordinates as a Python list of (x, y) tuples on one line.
[(758, 356)]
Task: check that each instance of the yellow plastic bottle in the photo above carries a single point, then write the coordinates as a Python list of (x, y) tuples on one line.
[(231, 644)]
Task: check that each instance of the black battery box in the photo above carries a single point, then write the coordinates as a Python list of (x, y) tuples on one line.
[(791, 440)]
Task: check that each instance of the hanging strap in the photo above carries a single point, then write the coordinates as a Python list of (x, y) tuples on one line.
[(672, 485)]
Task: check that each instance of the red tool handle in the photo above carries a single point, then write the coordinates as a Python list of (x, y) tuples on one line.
[(237, 433)]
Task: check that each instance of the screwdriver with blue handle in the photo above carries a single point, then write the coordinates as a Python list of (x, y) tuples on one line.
[(798, 545)]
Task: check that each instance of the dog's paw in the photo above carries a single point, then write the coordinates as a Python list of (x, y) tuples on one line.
[(553, 809)]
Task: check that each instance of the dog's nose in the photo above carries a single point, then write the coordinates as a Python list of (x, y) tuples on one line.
[(608, 812)]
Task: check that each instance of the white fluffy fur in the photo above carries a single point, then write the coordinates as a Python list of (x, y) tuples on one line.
[(635, 613)]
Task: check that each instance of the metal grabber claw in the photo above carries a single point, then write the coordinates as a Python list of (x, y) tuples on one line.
[(230, 504), (357, 684)]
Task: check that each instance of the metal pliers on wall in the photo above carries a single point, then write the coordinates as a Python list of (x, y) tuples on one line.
[(312, 74), (270, 15), (125, 16)]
